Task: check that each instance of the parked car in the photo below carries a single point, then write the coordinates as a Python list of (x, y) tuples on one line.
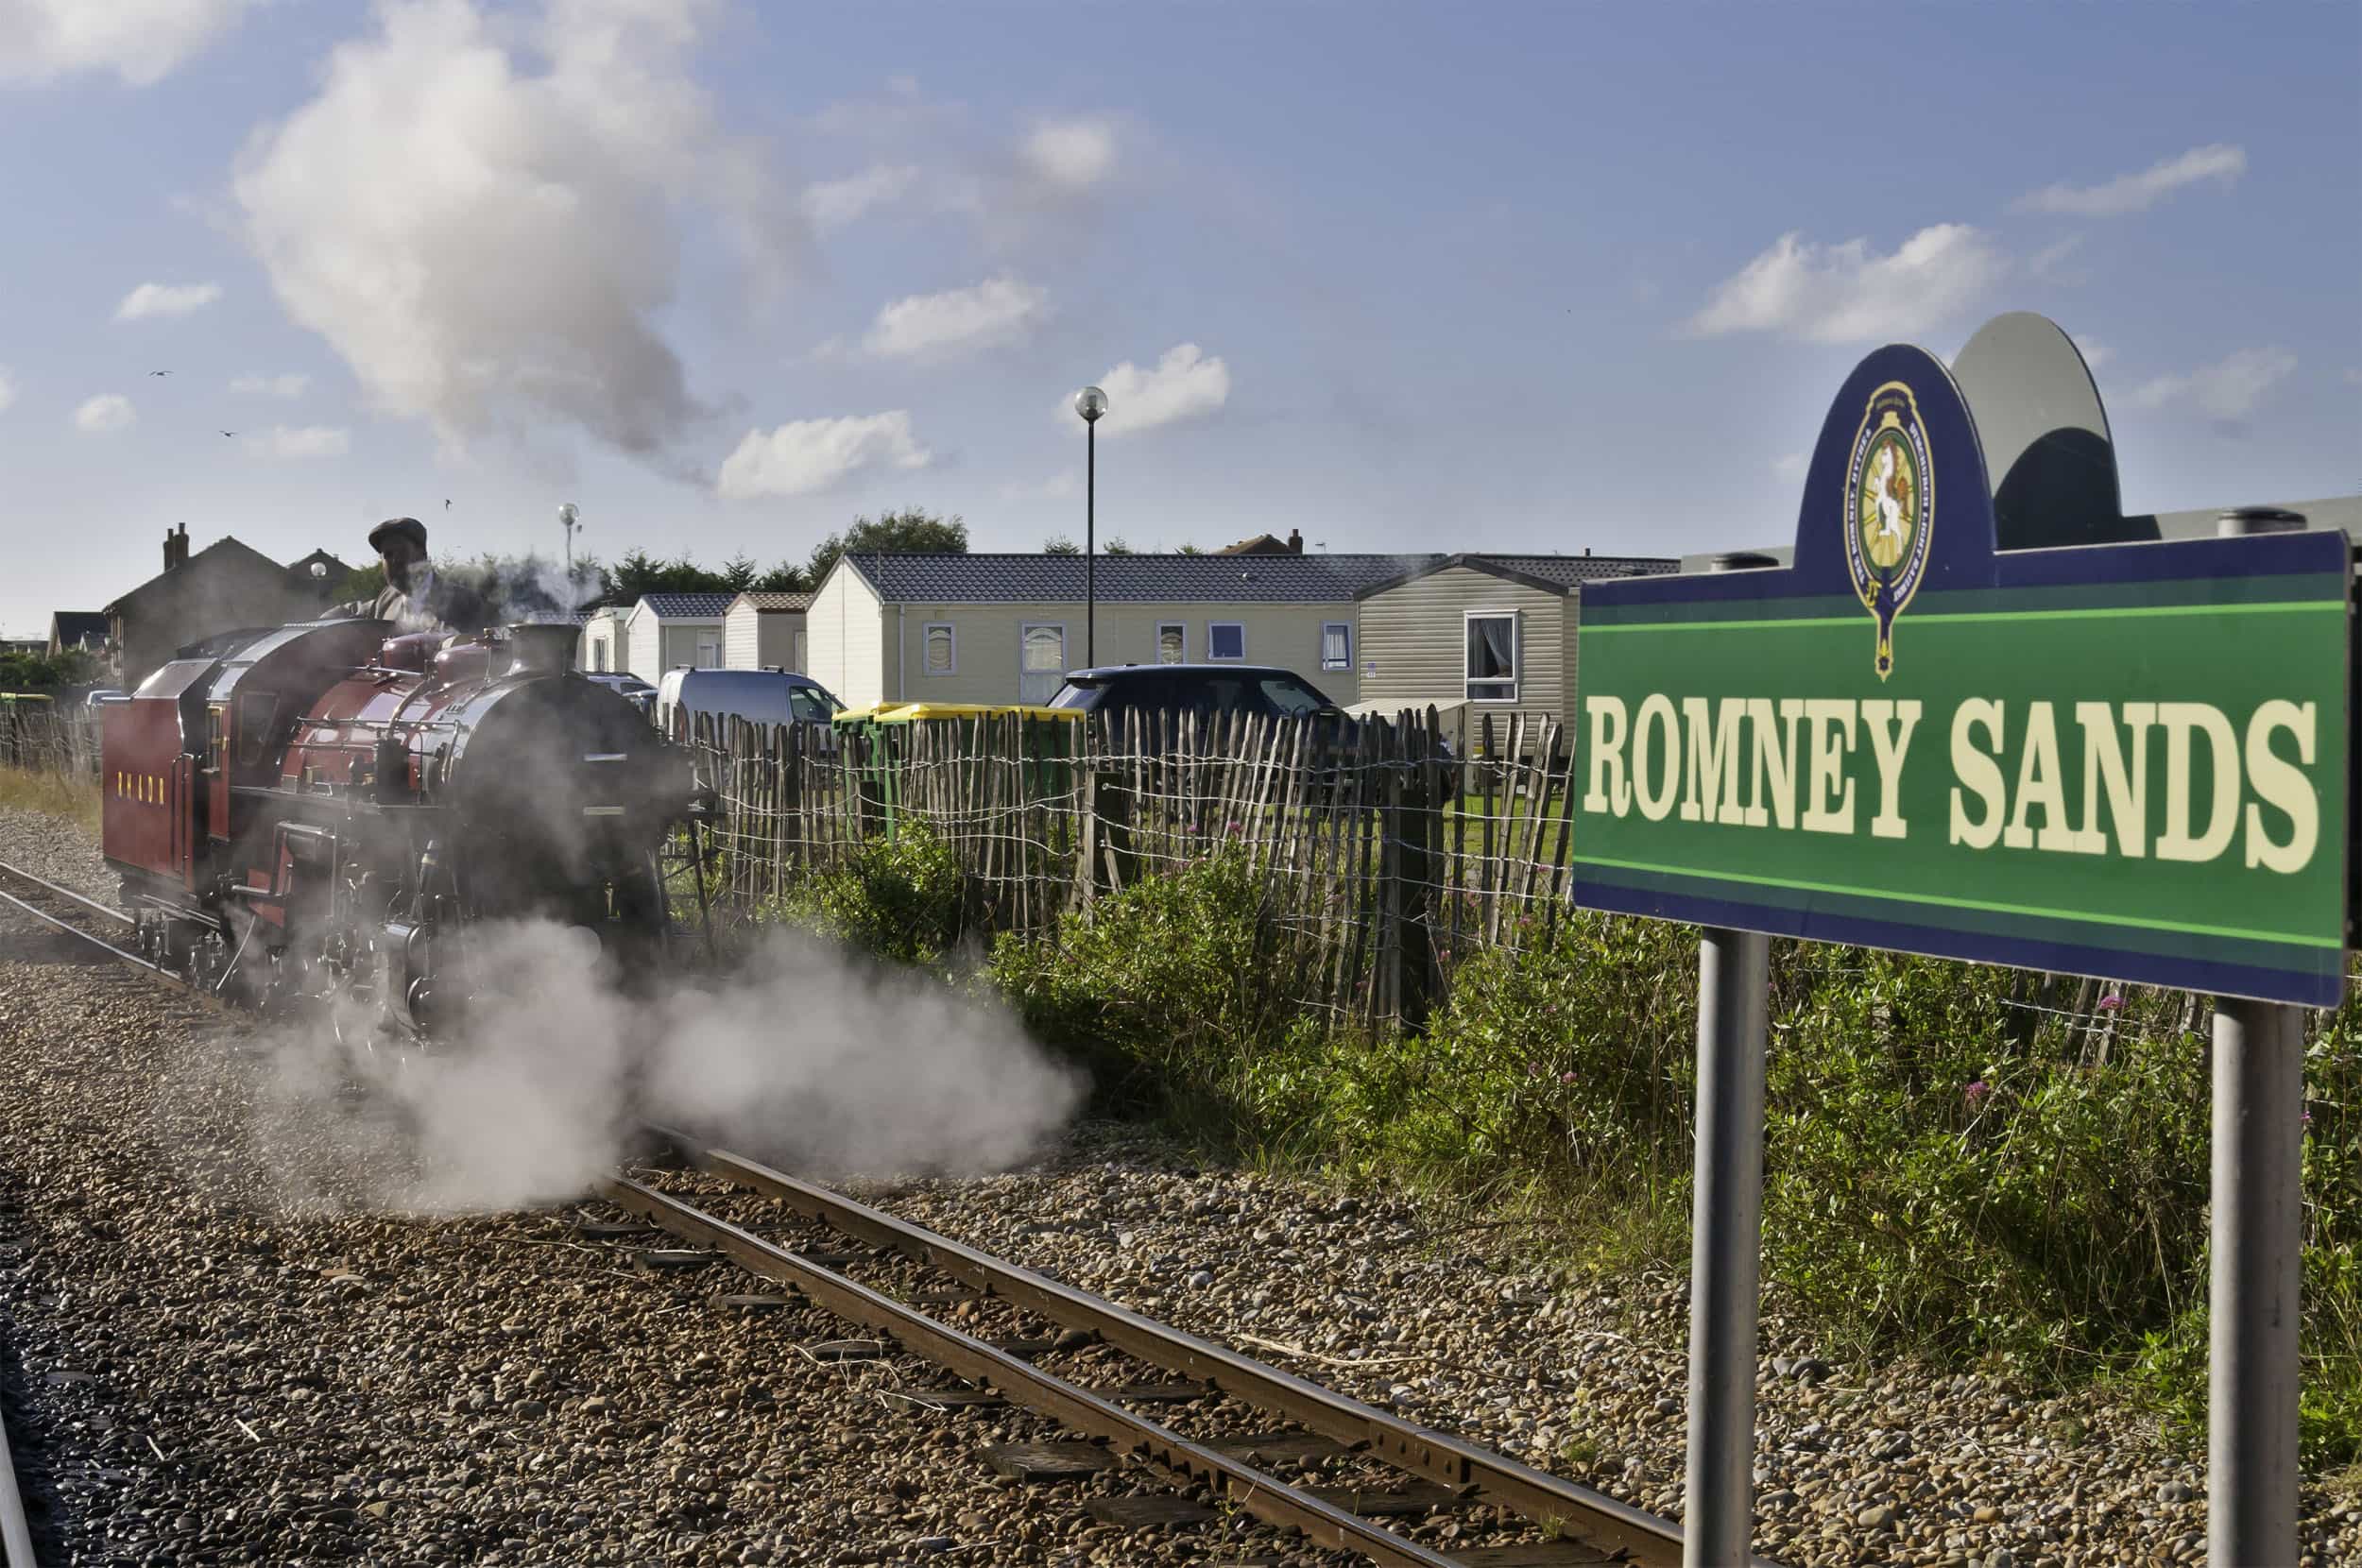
[(631, 688), (758, 696), (1266, 691)]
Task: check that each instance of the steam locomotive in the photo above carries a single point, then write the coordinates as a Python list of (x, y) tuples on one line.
[(323, 812)]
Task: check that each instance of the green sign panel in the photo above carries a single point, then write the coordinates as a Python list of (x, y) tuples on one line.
[(2128, 761)]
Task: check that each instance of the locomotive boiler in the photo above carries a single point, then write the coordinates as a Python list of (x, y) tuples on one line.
[(325, 812)]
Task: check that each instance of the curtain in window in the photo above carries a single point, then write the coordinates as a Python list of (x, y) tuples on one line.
[(938, 649), (1171, 644), (1491, 648), (1336, 646)]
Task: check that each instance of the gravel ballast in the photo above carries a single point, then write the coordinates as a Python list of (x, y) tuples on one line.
[(217, 1344)]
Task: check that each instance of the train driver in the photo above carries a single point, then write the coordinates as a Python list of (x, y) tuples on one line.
[(416, 597)]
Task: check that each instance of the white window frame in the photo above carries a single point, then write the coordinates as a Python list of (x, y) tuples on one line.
[(1063, 643), (1164, 626), (719, 647), (950, 627), (1213, 657), (1346, 663), (1517, 654)]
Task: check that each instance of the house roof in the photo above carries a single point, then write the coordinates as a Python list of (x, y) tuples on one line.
[(1129, 579), (687, 606), (1261, 544), (1552, 574), (301, 569), (765, 603), (225, 552), (72, 629)]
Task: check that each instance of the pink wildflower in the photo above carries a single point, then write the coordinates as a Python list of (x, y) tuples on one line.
[(1977, 1093), (2110, 1002)]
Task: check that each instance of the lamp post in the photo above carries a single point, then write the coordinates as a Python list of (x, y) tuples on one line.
[(566, 515), (1090, 403)]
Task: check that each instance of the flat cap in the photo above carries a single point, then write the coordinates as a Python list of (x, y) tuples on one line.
[(408, 528)]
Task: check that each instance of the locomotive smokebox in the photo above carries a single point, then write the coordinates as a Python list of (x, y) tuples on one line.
[(541, 647)]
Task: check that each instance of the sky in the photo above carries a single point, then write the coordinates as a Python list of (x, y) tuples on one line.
[(727, 273)]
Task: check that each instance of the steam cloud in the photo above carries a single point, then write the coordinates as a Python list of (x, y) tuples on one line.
[(488, 247), (807, 1060)]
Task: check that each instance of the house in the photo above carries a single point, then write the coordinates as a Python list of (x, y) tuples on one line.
[(667, 630), (764, 631), (1471, 635), (604, 640), (1002, 629), (81, 630), (222, 587), (1263, 544)]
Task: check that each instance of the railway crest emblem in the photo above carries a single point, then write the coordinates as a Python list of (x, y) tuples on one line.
[(1889, 506)]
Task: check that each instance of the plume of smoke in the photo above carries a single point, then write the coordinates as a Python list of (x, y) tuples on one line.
[(805, 1057), (489, 245)]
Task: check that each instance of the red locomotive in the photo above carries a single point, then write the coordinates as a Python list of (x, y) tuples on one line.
[(321, 811)]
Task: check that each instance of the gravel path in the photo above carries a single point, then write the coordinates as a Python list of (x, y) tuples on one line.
[(56, 851)]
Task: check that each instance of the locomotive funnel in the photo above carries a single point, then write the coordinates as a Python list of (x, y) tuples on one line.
[(541, 647)]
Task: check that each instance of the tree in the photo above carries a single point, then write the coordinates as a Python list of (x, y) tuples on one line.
[(22, 672), (1058, 544), (908, 532), (362, 584), (739, 573), (640, 572), (1114, 547), (786, 577)]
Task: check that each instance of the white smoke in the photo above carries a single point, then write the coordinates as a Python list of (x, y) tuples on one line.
[(485, 214), (804, 1058)]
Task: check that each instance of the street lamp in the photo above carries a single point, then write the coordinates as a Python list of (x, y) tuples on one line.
[(566, 515), (1090, 403)]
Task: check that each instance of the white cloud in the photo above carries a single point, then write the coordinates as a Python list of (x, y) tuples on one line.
[(2137, 193), (489, 245), (105, 414), (995, 311), (2047, 260), (1183, 386), (1072, 155), (1849, 294), (1063, 485), (809, 455), (167, 300), (2226, 391), (833, 203), (1791, 465), (292, 385), (140, 40), (2095, 352), (8, 389), (284, 444)]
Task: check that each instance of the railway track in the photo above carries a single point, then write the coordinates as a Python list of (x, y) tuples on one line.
[(1388, 1485), (1349, 1476)]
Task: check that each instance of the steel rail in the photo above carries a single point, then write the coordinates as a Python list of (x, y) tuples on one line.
[(1263, 1495), (46, 918), (1439, 1456)]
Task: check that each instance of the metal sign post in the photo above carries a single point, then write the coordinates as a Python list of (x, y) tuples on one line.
[(1726, 1247), (2251, 1369)]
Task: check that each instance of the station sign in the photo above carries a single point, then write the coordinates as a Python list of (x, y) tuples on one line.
[(2126, 761)]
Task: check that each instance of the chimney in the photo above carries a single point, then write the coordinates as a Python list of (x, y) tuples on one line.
[(1296, 541)]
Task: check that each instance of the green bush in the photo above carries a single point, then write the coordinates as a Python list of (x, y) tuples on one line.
[(1166, 984), (901, 898)]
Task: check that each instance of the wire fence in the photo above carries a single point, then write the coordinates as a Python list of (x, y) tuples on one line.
[(49, 738)]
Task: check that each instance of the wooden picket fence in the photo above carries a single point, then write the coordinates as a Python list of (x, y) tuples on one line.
[(1380, 866)]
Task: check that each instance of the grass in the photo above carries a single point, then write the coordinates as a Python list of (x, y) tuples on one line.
[(52, 794)]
